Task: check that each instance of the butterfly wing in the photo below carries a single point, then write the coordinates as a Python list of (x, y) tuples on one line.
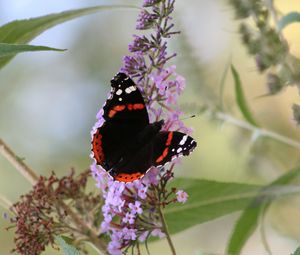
[(169, 145), (124, 115), (165, 147)]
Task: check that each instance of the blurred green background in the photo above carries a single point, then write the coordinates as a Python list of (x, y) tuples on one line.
[(48, 103)]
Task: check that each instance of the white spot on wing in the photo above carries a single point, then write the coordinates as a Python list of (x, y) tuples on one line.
[(119, 92), (179, 150), (130, 89), (183, 140)]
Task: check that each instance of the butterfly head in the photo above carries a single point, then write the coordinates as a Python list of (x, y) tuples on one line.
[(157, 126)]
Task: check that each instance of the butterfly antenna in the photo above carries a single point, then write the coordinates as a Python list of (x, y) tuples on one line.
[(188, 117)]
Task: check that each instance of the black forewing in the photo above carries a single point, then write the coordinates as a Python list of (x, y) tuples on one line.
[(125, 116)]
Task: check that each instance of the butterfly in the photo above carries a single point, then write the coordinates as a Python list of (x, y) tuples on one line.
[(126, 145)]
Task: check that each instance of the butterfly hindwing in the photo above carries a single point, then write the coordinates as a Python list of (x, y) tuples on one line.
[(169, 145)]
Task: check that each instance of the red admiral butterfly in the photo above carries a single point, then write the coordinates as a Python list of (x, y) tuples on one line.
[(126, 145)]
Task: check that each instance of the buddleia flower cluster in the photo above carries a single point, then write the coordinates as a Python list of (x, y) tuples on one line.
[(133, 211)]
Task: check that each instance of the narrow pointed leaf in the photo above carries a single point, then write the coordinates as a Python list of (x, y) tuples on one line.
[(249, 219), (288, 19), (240, 98), (23, 31), (7, 49)]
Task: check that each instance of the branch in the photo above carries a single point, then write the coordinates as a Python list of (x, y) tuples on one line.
[(257, 130), (5, 203), (18, 163)]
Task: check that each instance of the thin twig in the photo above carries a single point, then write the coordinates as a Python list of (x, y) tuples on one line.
[(89, 232), (260, 131), (4, 202), (166, 231), (18, 163)]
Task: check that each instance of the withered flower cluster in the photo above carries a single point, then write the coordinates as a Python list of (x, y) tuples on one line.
[(55, 206)]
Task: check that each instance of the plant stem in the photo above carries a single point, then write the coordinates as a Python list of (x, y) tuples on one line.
[(259, 131), (165, 229), (89, 232), (18, 163)]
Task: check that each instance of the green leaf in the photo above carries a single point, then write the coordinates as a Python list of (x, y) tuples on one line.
[(7, 49), (23, 31), (297, 252), (248, 221), (208, 200), (286, 20), (240, 98), (66, 248)]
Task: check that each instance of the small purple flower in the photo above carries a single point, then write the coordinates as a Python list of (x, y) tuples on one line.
[(139, 44), (129, 218), (157, 232), (99, 175), (129, 233), (5, 216), (113, 196), (151, 176), (171, 97), (143, 236), (136, 207), (182, 196), (145, 20), (180, 83), (105, 225), (114, 248), (142, 192)]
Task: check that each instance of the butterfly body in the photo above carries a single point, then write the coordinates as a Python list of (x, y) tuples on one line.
[(126, 145)]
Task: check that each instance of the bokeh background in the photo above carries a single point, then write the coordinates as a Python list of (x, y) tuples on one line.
[(48, 103)]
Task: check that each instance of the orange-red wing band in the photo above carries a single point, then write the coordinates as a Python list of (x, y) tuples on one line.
[(163, 155), (123, 177), (169, 140), (97, 147), (114, 110), (131, 107), (119, 108)]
